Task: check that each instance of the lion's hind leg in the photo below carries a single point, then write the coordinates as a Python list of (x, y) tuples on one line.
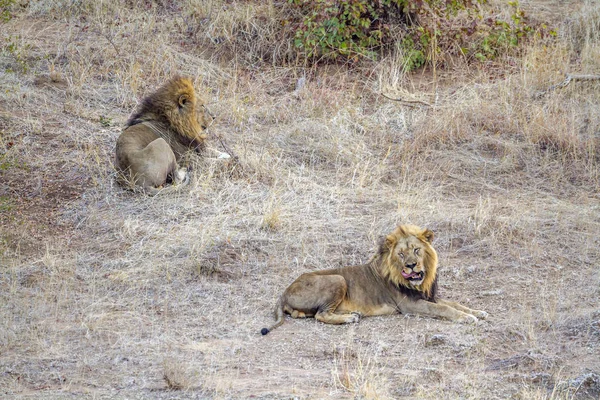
[(296, 313), (153, 164), (330, 317), (318, 296), (477, 313)]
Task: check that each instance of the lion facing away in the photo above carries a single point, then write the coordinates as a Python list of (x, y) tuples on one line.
[(165, 126), (401, 277)]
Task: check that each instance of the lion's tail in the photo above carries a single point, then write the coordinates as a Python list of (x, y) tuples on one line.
[(279, 317)]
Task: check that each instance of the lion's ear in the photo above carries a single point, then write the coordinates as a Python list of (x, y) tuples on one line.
[(389, 242), (427, 235), (183, 99)]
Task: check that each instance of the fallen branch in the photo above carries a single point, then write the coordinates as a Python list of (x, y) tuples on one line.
[(410, 103), (568, 79)]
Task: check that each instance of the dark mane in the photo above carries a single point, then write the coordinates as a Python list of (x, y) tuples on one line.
[(417, 294), (146, 108), (155, 108)]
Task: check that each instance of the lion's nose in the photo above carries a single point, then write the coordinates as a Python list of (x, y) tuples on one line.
[(411, 266)]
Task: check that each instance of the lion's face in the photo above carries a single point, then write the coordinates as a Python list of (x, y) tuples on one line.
[(205, 117), (410, 254), (409, 258)]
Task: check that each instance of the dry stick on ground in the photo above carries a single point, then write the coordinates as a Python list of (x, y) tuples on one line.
[(568, 79), (410, 103)]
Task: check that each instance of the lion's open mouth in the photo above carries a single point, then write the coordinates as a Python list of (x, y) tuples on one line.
[(413, 276)]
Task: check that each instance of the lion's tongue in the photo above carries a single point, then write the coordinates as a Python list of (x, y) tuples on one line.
[(406, 276)]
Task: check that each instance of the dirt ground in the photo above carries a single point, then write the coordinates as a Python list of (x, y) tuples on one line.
[(109, 294)]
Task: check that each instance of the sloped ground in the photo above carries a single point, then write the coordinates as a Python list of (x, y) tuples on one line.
[(108, 294)]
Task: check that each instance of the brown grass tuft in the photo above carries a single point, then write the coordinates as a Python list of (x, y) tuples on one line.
[(175, 375)]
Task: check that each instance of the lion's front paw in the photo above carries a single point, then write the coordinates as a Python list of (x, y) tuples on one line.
[(182, 176), (467, 319), (480, 314)]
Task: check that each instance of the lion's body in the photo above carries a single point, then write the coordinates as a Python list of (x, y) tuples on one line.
[(402, 277), (165, 127)]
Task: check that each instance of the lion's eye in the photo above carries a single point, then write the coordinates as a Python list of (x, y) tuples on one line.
[(417, 251), (401, 255)]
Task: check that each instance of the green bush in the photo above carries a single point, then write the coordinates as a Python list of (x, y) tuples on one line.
[(5, 6), (421, 29), (329, 28), (504, 37)]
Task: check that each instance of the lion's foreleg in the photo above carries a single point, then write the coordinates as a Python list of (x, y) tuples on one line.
[(478, 313), (216, 154), (423, 307)]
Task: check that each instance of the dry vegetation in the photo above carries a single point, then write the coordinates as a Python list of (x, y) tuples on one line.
[(109, 294)]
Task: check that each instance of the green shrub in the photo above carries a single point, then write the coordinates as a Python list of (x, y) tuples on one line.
[(18, 52), (5, 6), (506, 36), (421, 29)]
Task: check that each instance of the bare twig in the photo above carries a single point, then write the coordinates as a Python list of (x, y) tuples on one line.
[(568, 79), (410, 103)]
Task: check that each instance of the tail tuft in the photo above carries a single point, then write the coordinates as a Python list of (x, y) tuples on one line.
[(278, 316)]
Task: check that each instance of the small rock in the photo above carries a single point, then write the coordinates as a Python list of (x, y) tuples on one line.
[(437, 340), (496, 292), (540, 378)]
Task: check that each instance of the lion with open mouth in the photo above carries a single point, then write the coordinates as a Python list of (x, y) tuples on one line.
[(401, 277)]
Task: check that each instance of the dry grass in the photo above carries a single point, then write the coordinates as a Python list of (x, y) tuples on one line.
[(106, 293)]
